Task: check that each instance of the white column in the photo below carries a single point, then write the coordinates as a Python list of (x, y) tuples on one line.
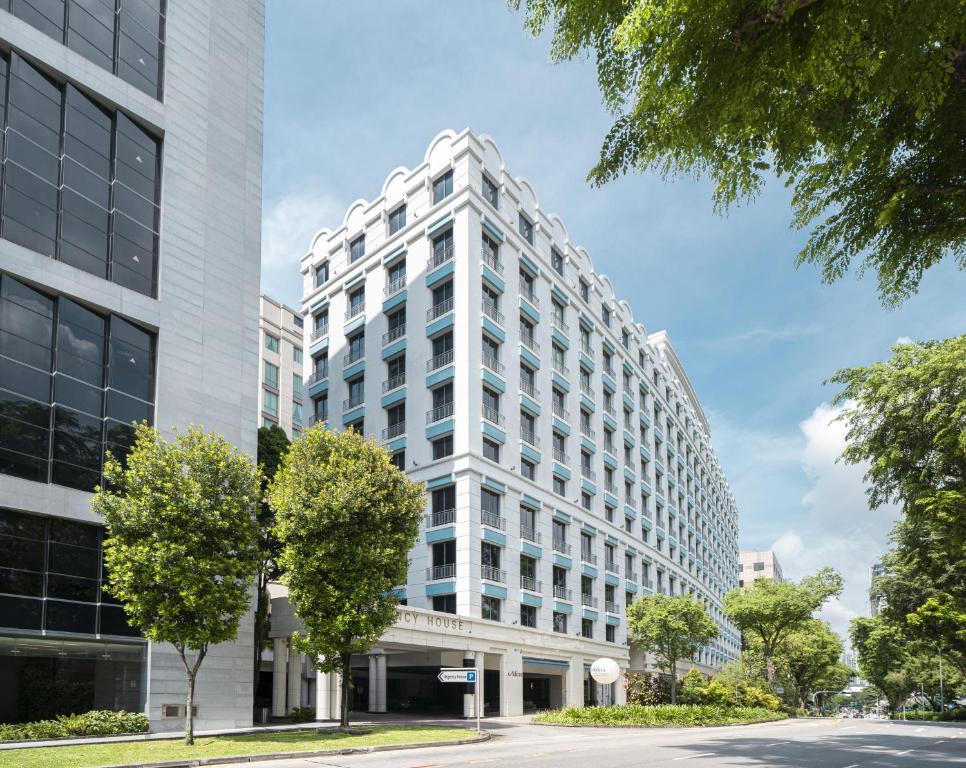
[(511, 683), (336, 686), (279, 657), (382, 674), (574, 693), (373, 674), (323, 696), (481, 698), (620, 691), (294, 679)]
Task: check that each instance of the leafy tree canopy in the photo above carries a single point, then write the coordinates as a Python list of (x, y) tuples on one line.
[(809, 658), (770, 612), (860, 106), (347, 519), (883, 655), (906, 420), (670, 628), (181, 545)]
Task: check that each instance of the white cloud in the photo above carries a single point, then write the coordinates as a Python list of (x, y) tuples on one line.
[(903, 340), (766, 335), (287, 228)]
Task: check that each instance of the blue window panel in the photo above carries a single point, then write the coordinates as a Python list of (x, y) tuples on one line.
[(394, 349), (494, 590), (586, 362), (607, 343), (610, 461), (562, 471), (529, 264), (319, 305), (394, 397), (319, 386), (560, 426), (441, 272), (493, 229), (448, 321), (646, 488), (531, 549), (611, 579), (352, 370), (630, 513), (589, 528), (531, 453), (527, 599), (560, 295), (588, 570), (443, 374), (493, 329), (399, 593), (492, 278), (319, 344), (494, 537), (546, 663), (611, 500), (443, 428), (394, 254), (441, 222), (628, 368), (493, 485), (527, 404), (355, 325), (396, 445), (560, 381), (630, 586), (529, 310), (588, 486), (589, 613), (628, 401), (628, 439), (532, 501), (497, 434), (356, 413), (645, 453), (614, 621), (587, 444), (587, 323), (354, 280), (610, 421), (563, 516), (589, 404), (562, 607), (612, 539), (439, 482), (608, 382), (531, 359), (629, 476), (558, 336), (562, 561), (395, 301), (443, 588), (440, 534)]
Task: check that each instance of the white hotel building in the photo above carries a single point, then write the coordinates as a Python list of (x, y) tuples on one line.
[(567, 459)]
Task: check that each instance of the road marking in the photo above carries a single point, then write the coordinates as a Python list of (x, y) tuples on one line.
[(899, 754), (689, 757), (849, 728), (854, 765), (919, 730), (484, 760), (775, 744)]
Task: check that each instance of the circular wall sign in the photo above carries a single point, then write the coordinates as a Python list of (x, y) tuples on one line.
[(605, 671)]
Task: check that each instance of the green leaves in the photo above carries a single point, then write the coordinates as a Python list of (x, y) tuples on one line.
[(862, 103), (346, 519)]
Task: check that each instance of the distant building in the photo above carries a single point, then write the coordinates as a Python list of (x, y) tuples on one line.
[(876, 600), (280, 363), (755, 564)]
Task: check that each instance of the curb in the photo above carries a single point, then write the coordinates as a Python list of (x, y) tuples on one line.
[(200, 761)]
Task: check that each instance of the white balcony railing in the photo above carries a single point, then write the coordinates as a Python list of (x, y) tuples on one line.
[(437, 572), (490, 573)]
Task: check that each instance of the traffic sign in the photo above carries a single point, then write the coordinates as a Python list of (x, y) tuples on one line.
[(457, 675)]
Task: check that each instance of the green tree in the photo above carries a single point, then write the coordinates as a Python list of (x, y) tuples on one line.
[(272, 445), (883, 655), (906, 421), (670, 628), (346, 519), (770, 612), (809, 658), (860, 106), (182, 543)]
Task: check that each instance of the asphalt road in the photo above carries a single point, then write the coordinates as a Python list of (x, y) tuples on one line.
[(789, 744)]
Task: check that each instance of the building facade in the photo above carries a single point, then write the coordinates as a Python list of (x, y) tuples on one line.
[(756, 564), (876, 598), (281, 363), (130, 206), (440, 317)]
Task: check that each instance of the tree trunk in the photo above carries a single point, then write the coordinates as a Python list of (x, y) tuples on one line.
[(674, 682), (770, 668), (189, 715), (346, 683)]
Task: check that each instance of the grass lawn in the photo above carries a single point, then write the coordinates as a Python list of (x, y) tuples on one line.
[(121, 753), (663, 715)]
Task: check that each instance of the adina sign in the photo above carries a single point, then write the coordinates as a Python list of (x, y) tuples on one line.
[(605, 671)]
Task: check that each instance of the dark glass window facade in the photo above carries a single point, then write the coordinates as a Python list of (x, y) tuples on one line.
[(71, 383), (125, 37), (52, 577), (80, 183)]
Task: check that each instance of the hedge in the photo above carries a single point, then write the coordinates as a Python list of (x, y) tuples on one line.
[(659, 715), (95, 723)]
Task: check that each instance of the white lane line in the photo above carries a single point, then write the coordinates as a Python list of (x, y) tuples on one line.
[(920, 730), (854, 765), (900, 754), (775, 744), (689, 757), (849, 728)]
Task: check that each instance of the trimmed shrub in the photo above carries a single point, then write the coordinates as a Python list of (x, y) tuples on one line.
[(647, 690), (693, 688), (661, 715), (302, 714), (94, 723)]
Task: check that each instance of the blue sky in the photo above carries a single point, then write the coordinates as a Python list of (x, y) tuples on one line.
[(355, 89)]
